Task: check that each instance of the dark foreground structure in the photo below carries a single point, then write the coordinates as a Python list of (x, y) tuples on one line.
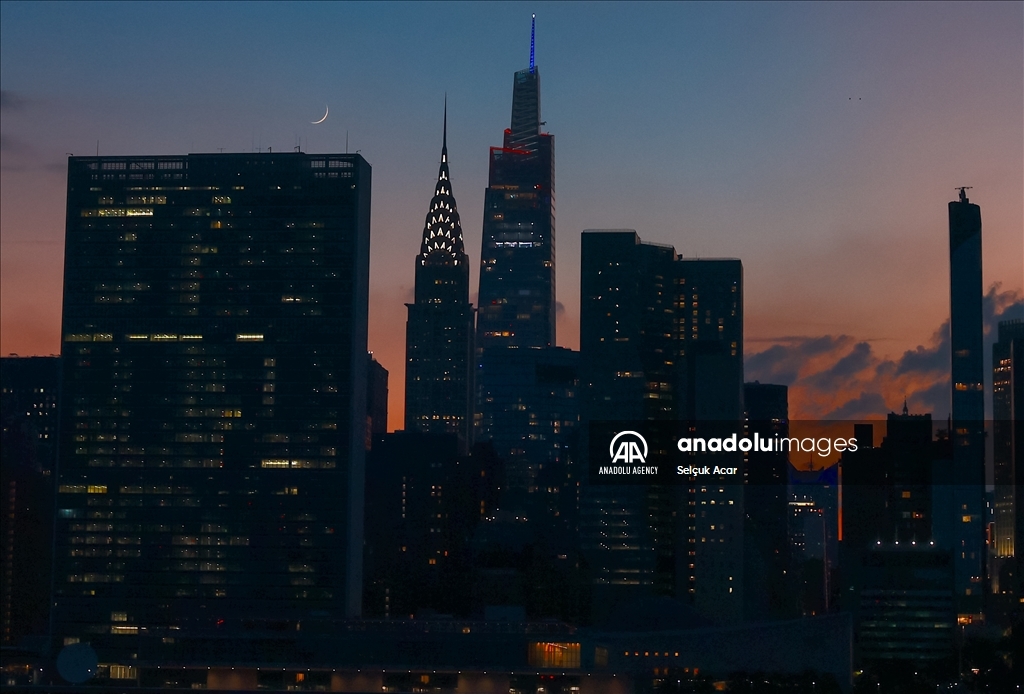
[(213, 431), (478, 656)]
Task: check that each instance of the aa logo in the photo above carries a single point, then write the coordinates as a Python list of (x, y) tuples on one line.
[(628, 447)]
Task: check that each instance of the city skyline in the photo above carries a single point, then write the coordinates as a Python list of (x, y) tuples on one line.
[(781, 135)]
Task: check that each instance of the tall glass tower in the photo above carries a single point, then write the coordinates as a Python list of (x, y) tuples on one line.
[(965, 327), (526, 412), (439, 331), (517, 261)]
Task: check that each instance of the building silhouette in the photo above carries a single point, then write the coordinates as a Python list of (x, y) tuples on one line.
[(525, 386), (517, 260), (376, 398), (439, 331), (1008, 451), (529, 412), (768, 590), (661, 338), (212, 444), (968, 398), (28, 437)]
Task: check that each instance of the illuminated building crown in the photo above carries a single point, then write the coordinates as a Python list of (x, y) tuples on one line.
[(442, 232)]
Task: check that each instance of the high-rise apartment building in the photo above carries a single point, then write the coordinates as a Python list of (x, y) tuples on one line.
[(213, 430), (968, 396), (661, 338), (439, 331)]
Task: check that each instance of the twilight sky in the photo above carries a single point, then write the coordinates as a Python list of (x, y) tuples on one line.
[(818, 143)]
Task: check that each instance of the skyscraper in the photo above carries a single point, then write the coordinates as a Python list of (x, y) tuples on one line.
[(768, 590), (531, 425), (517, 261), (376, 398), (28, 419), (965, 327), (1008, 442), (212, 443), (439, 331), (661, 338)]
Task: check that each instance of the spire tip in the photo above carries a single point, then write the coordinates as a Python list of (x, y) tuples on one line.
[(533, 35)]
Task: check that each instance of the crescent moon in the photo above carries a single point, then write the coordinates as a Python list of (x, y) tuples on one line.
[(316, 122)]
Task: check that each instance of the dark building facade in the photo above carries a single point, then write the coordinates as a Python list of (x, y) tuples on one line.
[(439, 331), (906, 608), (517, 260), (768, 590), (424, 500), (529, 411), (661, 338), (213, 430), (28, 414), (1008, 451), (968, 396), (525, 386), (376, 398)]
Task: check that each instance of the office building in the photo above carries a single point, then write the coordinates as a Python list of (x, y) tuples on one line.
[(529, 412), (661, 339), (968, 396), (525, 386), (376, 398), (214, 395), (439, 331), (906, 608), (1008, 450), (517, 260), (769, 589), (28, 415)]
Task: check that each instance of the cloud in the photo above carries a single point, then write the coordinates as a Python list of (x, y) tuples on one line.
[(782, 363), (855, 361), (9, 145), (11, 101), (840, 377), (864, 406), (998, 306)]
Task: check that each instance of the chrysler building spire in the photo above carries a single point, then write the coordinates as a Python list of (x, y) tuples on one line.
[(439, 331), (442, 231)]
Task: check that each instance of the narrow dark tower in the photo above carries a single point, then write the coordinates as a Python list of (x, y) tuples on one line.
[(439, 331), (968, 398), (517, 261)]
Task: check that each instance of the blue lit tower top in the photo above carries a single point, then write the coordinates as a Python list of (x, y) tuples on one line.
[(533, 35)]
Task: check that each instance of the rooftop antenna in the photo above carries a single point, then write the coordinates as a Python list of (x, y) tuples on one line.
[(533, 34), (444, 137), (963, 192)]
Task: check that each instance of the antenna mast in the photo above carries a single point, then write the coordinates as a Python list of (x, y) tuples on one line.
[(533, 34)]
